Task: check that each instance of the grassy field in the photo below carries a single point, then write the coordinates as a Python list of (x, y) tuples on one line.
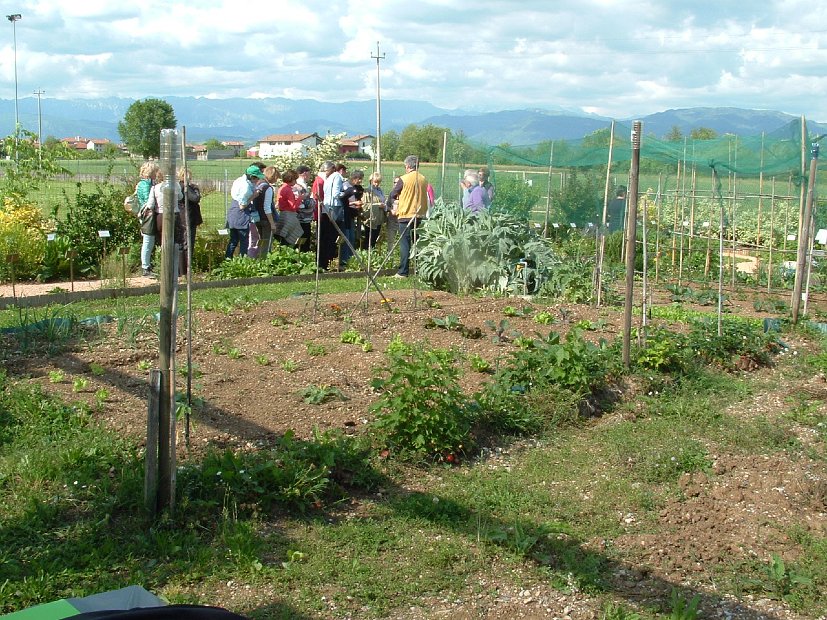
[(216, 176), (545, 516)]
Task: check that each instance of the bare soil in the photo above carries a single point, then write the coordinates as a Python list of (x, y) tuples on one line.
[(250, 366)]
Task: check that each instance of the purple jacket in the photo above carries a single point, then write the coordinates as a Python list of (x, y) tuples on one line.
[(474, 200)]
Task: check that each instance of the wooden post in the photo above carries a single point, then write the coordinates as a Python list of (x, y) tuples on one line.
[(151, 452), (772, 234), (601, 232), (548, 187), (716, 184), (631, 238), (803, 254), (658, 203)]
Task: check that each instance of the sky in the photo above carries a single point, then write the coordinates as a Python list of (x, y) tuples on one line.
[(616, 59)]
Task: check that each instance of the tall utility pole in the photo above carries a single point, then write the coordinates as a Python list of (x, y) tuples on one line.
[(378, 57), (39, 125)]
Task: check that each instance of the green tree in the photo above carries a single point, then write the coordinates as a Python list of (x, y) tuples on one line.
[(424, 142), (214, 144), (33, 166), (141, 126), (703, 133), (675, 134), (598, 138), (390, 143)]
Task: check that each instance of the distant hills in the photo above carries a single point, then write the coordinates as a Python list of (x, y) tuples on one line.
[(251, 119)]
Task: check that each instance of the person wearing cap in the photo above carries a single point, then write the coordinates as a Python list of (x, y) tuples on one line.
[(238, 214)]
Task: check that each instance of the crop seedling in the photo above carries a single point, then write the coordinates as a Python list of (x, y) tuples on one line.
[(522, 312), (451, 322), (782, 578), (683, 609), (316, 350), (184, 371), (234, 353), (351, 336), (502, 331), (262, 360), (523, 342), (318, 394), (544, 317), (479, 363), (100, 396), (56, 376), (293, 558), (96, 369), (79, 384), (367, 347), (280, 320), (144, 365), (289, 365)]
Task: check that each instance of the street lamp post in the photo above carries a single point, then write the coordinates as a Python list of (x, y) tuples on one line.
[(14, 19), (378, 155)]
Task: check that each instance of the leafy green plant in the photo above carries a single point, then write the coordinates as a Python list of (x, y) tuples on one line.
[(512, 311), (23, 236), (613, 611), (289, 365), (96, 369), (663, 351), (544, 317), (79, 384), (318, 394), (283, 475), (421, 411), (479, 363), (502, 331), (681, 609), (101, 395), (144, 365), (262, 360), (87, 212), (280, 261), (234, 353), (228, 304), (782, 578), (742, 344), (461, 252), (573, 364), (315, 349), (56, 376), (450, 322), (351, 336)]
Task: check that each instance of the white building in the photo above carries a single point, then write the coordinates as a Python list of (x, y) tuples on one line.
[(287, 144)]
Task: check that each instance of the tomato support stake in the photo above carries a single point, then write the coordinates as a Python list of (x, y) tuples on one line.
[(159, 482), (631, 239), (804, 246)]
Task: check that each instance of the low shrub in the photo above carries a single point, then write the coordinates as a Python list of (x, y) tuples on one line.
[(22, 234), (421, 412)]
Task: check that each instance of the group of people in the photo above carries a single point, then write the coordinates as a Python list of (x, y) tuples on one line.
[(268, 206), (148, 203), (477, 190), (349, 212)]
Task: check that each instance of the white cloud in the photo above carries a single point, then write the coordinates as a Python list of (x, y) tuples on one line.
[(616, 57)]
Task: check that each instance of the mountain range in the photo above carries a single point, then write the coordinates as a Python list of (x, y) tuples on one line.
[(251, 119)]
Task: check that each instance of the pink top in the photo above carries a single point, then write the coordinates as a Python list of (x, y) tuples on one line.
[(288, 201)]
